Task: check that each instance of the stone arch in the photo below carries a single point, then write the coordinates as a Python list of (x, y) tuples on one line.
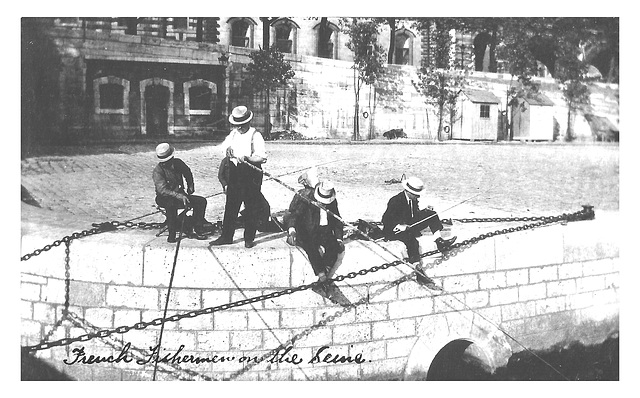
[(97, 82), (481, 51), (404, 47), (186, 86), (284, 35), (242, 31), (452, 331), (328, 45), (143, 105)]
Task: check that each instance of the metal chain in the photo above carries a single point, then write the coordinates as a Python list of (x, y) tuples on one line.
[(455, 249)]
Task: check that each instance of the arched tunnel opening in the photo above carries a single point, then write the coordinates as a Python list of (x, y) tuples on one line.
[(460, 360)]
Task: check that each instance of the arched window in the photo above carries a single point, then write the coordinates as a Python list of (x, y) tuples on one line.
[(285, 35), (242, 32), (111, 95), (327, 40), (199, 97), (404, 47)]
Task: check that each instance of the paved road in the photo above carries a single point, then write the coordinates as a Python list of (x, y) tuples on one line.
[(503, 179)]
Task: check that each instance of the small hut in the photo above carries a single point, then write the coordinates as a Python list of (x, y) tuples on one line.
[(602, 129), (532, 118), (477, 117)]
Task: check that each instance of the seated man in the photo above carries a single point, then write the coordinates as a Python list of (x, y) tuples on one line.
[(403, 221), (315, 230), (168, 177)]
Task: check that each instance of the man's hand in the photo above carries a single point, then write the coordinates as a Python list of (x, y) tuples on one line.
[(291, 237), (190, 190), (400, 228), (185, 200), (229, 152), (224, 189)]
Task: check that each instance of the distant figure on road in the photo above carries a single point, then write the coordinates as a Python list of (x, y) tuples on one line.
[(243, 146), (168, 178), (403, 221), (315, 230)]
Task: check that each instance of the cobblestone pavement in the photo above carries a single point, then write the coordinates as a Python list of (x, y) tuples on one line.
[(497, 179)]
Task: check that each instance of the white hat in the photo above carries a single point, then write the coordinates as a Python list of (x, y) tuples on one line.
[(325, 193), (413, 185), (164, 152), (240, 115), (309, 178)]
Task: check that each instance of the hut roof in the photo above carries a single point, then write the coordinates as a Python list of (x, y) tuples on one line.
[(600, 123), (476, 95), (538, 99)]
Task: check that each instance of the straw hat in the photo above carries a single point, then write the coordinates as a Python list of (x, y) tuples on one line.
[(413, 185), (164, 152), (240, 115), (325, 192)]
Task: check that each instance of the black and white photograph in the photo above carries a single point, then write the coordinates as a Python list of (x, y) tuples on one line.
[(309, 198)]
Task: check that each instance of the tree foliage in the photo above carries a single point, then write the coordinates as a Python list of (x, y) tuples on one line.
[(268, 69), (368, 58)]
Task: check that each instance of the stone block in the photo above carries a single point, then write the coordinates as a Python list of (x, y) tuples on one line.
[(26, 309), (296, 318), (99, 259), (549, 305), (343, 372), (561, 287), (302, 299), (385, 368), (476, 299), (460, 283), (263, 319), (390, 294), (214, 298), (412, 290), (569, 270), (213, 340), (532, 292), (309, 374), (148, 316), (133, 297), (369, 351), (173, 339), (411, 307), (87, 294), (492, 280), (126, 317), (101, 317), (44, 312), (346, 334), (542, 274), (401, 347), (371, 312), (340, 316), (54, 291), (393, 329), (503, 296), (517, 277), (230, 320), (30, 291), (315, 338), (590, 283), (246, 340), (200, 322), (181, 299), (481, 258), (598, 267), (518, 311), (449, 302), (273, 338)]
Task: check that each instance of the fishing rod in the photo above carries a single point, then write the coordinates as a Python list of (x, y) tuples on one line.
[(281, 175), (444, 211)]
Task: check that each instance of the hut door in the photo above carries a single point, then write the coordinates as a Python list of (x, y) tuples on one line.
[(157, 103)]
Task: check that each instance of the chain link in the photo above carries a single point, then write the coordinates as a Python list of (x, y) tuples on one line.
[(454, 250)]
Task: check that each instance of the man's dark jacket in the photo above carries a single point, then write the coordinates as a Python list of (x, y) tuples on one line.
[(305, 218), (169, 181), (398, 212)]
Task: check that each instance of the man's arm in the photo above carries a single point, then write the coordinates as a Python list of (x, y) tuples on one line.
[(162, 188), (188, 175)]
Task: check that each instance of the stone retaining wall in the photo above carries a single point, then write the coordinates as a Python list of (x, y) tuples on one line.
[(547, 286)]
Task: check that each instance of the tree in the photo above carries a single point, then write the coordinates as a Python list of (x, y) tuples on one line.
[(439, 80), (368, 59), (268, 70)]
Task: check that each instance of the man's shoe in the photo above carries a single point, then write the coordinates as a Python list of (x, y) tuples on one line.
[(220, 241), (249, 245), (444, 244), (172, 239)]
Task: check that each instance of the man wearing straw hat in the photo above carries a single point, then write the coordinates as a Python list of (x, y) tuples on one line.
[(168, 178), (403, 221), (243, 145), (315, 230)]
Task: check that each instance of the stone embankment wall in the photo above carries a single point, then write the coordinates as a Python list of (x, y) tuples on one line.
[(551, 285)]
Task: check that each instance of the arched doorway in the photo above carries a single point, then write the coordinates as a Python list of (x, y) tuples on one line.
[(157, 104), (481, 50), (460, 360)]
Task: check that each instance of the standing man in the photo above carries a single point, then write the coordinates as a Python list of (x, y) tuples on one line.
[(168, 178), (403, 221), (244, 146), (316, 231)]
